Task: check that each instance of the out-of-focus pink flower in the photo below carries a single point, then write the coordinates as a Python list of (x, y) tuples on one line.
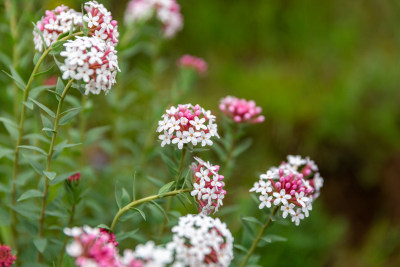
[(166, 11), (188, 61), (75, 177), (92, 246), (241, 110), (6, 257)]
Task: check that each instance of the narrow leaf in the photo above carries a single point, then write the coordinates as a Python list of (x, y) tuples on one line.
[(165, 189), (161, 209), (40, 244), (50, 175), (44, 108), (30, 194), (35, 148), (141, 213)]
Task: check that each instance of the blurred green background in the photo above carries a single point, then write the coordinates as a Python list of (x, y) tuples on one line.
[(326, 74)]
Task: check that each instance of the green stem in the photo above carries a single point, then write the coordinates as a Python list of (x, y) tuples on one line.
[(71, 219), (258, 238), (229, 156), (143, 200), (20, 134), (82, 128), (49, 160), (169, 203)]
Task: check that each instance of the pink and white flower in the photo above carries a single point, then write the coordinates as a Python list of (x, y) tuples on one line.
[(91, 60), (241, 110), (100, 23), (6, 257), (293, 187), (187, 124), (200, 240), (166, 11), (55, 22), (208, 186)]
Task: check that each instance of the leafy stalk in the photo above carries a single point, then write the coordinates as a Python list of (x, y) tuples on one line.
[(20, 134), (143, 200), (258, 238), (49, 160)]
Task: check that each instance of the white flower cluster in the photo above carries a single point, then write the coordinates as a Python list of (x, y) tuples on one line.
[(91, 60), (208, 186), (200, 240), (100, 23), (147, 255), (53, 24), (187, 124), (293, 186), (167, 11)]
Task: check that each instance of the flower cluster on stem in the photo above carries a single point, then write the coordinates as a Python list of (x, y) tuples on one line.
[(293, 187), (200, 240), (166, 11), (208, 186), (241, 110), (6, 257), (187, 124), (55, 22), (100, 23), (91, 60), (196, 63)]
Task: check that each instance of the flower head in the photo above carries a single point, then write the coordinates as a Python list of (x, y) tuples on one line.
[(200, 240), (6, 257), (75, 177), (196, 63), (208, 186), (147, 255), (91, 60), (241, 110), (55, 22), (187, 124), (92, 246), (166, 11), (100, 23), (291, 186)]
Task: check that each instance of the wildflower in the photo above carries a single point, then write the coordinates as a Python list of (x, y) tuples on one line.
[(208, 186), (147, 255), (293, 187), (100, 23), (91, 60), (200, 240), (75, 177), (166, 11), (196, 63), (92, 247), (241, 110), (187, 124), (6, 257), (56, 22)]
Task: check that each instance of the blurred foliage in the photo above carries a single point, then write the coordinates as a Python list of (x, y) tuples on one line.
[(326, 74)]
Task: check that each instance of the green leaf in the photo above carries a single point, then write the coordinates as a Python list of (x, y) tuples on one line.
[(47, 124), (161, 209), (36, 58), (103, 226), (94, 134), (35, 149), (122, 235), (242, 147), (35, 164), (69, 116), (57, 47), (165, 188), (50, 175), (40, 244), (169, 162), (247, 227), (241, 248), (18, 81), (60, 87), (48, 130), (253, 220), (44, 72), (141, 213), (125, 198), (134, 187), (155, 181), (28, 104), (8, 122), (61, 177), (44, 108), (30, 194), (118, 194), (273, 238)]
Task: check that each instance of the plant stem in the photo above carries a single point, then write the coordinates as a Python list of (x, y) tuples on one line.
[(258, 238), (71, 219), (49, 160), (143, 200), (170, 200), (20, 134), (82, 129)]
